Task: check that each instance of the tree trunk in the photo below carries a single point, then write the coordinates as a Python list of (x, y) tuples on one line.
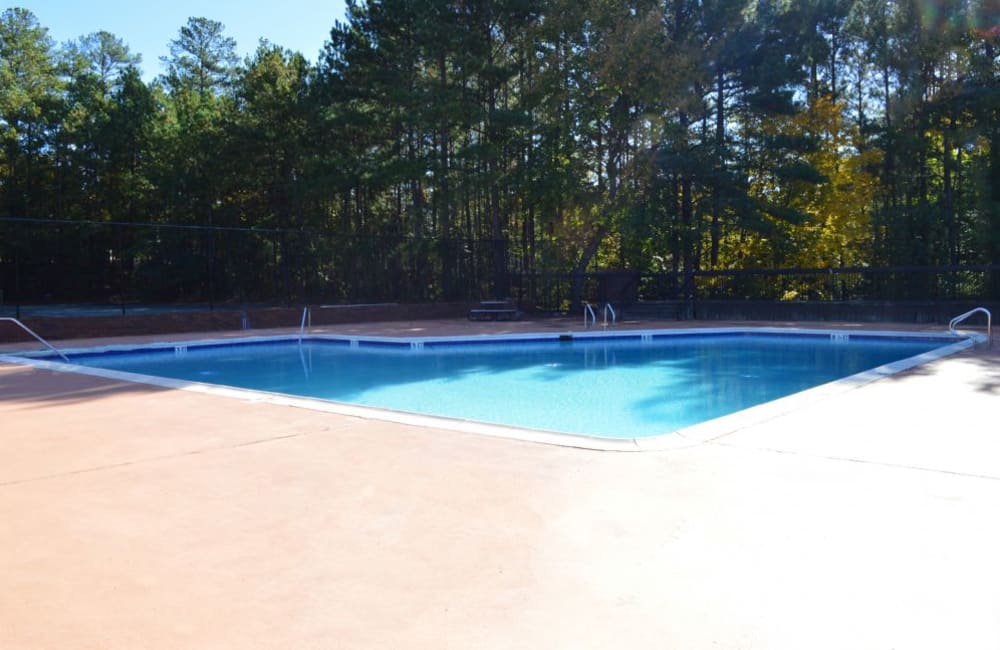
[(720, 161), (443, 195), (581, 266), (949, 199)]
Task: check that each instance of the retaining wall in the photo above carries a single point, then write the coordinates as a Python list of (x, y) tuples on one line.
[(851, 312), (60, 328)]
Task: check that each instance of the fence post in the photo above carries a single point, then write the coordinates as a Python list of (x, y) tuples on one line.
[(121, 267), (211, 269), (17, 270), (17, 284), (693, 313)]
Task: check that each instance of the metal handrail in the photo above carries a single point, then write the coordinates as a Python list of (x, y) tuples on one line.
[(614, 316), (587, 309), (37, 337), (961, 317), (302, 327)]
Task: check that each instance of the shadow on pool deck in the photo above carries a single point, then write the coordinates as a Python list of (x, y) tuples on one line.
[(985, 359), (47, 387)]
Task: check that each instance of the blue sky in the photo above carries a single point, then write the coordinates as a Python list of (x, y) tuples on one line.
[(147, 27)]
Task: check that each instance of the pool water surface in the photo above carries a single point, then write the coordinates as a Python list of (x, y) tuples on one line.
[(620, 387)]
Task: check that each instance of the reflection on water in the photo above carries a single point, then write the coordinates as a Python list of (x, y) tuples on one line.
[(616, 388)]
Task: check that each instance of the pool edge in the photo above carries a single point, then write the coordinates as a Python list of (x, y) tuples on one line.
[(684, 437)]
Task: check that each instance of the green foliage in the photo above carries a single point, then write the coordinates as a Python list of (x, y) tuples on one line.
[(202, 58), (102, 54), (452, 145)]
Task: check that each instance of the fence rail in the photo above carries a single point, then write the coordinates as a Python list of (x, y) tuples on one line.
[(902, 283), (127, 264), (52, 261)]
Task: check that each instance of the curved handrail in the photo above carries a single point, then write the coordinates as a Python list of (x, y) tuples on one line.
[(614, 316), (587, 309), (37, 337), (302, 327), (961, 317)]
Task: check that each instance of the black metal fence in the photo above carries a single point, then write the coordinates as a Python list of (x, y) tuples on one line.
[(939, 283), (51, 262), (46, 262)]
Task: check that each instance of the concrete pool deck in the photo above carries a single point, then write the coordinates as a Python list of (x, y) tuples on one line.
[(134, 516)]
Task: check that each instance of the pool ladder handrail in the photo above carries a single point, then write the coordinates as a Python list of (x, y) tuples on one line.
[(614, 317), (953, 323), (588, 310), (37, 337), (306, 317)]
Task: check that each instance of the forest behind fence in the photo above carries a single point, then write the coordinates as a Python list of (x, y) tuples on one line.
[(442, 150), (72, 262)]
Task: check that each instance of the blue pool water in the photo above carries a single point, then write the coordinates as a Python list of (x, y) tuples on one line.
[(616, 388)]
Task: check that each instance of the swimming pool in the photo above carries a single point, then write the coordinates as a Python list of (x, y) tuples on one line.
[(626, 387)]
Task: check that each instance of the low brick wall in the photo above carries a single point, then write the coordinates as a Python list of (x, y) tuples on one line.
[(60, 328), (851, 312)]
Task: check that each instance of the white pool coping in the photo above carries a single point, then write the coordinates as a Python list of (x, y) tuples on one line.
[(680, 438)]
